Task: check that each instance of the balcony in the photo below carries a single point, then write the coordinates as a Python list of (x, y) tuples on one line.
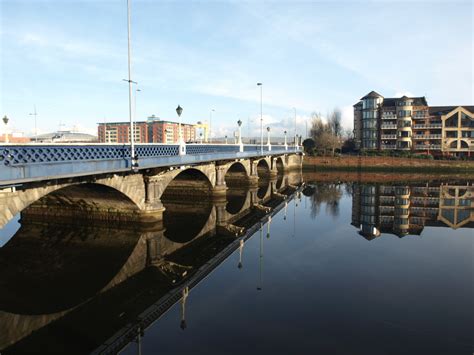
[(427, 136), (428, 147), (422, 115), (388, 146), (388, 126), (388, 136), (431, 125), (389, 117)]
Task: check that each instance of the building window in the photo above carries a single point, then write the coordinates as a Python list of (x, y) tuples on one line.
[(404, 113)]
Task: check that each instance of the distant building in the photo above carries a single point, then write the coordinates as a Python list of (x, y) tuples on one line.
[(64, 137), (408, 123), (14, 137), (153, 130)]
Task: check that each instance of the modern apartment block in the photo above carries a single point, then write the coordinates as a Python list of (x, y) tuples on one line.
[(407, 209), (151, 131), (408, 123)]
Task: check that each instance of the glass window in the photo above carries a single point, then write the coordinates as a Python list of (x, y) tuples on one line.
[(404, 113)]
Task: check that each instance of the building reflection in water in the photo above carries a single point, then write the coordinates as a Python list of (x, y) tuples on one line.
[(407, 209), (57, 276)]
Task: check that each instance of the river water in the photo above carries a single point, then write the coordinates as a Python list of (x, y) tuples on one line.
[(375, 266)]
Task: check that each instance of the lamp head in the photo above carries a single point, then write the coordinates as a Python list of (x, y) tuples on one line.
[(179, 110), (5, 119), (239, 122), (268, 129)]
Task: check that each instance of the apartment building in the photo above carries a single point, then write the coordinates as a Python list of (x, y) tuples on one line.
[(409, 123), (408, 209), (153, 130)]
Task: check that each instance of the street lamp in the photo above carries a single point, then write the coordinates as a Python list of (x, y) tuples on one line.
[(225, 139), (134, 162), (286, 144), (268, 139), (241, 147), (210, 125), (261, 117), (5, 120), (182, 147)]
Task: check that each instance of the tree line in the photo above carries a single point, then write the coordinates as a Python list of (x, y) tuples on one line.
[(328, 136)]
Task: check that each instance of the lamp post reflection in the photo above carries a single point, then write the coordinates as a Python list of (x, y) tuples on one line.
[(259, 287), (241, 249), (183, 307)]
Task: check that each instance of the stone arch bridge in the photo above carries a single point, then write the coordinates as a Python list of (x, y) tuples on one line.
[(73, 189)]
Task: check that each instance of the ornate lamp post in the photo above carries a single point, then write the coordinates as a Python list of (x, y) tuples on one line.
[(286, 143), (5, 120), (182, 147), (268, 139), (241, 146)]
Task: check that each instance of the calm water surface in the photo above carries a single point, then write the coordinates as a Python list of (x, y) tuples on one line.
[(342, 268)]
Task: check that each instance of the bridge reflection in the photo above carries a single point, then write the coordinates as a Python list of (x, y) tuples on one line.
[(74, 287)]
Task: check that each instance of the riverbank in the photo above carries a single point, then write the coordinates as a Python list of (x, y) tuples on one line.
[(386, 164), (381, 177)]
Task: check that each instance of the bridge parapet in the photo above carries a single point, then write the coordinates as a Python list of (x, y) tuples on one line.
[(36, 162)]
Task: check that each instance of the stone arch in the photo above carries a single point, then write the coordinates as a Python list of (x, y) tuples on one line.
[(463, 144), (162, 181), (453, 145), (236, 174), (193, 180), (263, 167), (280, 165), (131, 186)]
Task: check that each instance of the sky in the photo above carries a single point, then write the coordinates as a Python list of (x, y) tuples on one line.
[(68, 59)]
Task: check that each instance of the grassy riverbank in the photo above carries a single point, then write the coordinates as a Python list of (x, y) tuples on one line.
[(386, 164)]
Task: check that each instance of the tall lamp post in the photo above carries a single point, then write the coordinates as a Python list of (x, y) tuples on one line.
[(261, 117), (286, 143), (5, 120), (182, 147), (134, 160), (241, 146), (36, 128)]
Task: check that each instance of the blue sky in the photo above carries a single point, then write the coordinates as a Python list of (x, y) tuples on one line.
[(69, 58)]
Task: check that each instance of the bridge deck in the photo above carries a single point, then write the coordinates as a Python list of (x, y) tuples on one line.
[(36, 162)]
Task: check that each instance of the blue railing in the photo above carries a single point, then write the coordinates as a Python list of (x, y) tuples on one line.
[(30, 162)]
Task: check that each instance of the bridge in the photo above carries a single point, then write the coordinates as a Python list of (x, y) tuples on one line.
[(97, 180)]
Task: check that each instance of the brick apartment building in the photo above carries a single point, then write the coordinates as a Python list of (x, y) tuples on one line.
[(408, 123), (151, 131)]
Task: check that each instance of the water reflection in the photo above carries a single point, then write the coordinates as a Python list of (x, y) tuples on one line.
[(408, 209), (93, 280)]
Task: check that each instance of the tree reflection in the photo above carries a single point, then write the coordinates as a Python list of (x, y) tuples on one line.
[(324, 193)]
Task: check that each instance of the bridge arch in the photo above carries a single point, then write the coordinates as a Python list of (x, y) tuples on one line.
[(263, 168), (130, 187), (198, 180)]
